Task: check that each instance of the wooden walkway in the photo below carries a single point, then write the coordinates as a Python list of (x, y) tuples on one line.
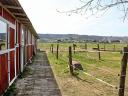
[(40, 80)]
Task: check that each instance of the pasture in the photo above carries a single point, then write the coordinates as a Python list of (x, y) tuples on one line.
[(100, 77)]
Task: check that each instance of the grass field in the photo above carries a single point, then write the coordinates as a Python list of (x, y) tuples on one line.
[(106, 69)]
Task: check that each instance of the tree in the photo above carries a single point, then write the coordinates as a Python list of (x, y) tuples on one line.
[(96, 6)]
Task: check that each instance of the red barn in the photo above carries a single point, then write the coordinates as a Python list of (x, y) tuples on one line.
[(18, 41)]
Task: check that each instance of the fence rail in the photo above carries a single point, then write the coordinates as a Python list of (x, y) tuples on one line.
[(122, 75)]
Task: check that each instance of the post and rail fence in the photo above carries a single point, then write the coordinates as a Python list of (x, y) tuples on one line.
[(121, 88)]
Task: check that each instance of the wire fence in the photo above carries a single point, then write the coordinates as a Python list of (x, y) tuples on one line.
[(60, 51)]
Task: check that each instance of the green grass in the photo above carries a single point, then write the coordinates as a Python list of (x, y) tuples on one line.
[(11, 90), (106, 69), (27, 71)]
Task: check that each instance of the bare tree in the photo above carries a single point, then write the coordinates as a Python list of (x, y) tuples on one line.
[(97, 6)]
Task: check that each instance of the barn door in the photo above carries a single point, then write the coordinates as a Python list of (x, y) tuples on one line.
[(11, 55)]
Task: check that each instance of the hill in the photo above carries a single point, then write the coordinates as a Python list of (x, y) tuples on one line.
[(80, 38)]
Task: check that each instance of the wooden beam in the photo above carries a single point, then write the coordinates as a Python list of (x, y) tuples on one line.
[(25, 22), (21, 18), (12, 7), (17, 2), (19, 14), (6, 9)]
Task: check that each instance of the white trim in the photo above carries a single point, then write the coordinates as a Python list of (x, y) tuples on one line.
[(8, 43), (17, 45), (22, 48), (29, 44), (9, 23), (21, 58), (6, 51), (10, 83), (15, 58), (8, 67)]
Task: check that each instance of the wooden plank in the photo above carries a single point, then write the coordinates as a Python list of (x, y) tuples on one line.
[(13, 7), (21, 18), (19, 14)]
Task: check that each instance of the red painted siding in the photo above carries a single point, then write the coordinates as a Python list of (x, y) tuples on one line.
[(4, 58), (17, 61), (12, 45), (12, 66), (18, 38), (8, 17), (12, 38), (3, 73)]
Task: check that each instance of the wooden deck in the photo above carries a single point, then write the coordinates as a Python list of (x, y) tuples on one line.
[(40, 80)]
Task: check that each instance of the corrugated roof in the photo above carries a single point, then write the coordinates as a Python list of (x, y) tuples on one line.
[(18, 12)]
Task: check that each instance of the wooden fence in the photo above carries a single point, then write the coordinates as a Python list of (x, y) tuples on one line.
[(121, 88)]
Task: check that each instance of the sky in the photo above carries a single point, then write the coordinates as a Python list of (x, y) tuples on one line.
[(47, 20)]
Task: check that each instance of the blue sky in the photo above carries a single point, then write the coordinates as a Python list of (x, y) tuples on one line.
[(46, 19)]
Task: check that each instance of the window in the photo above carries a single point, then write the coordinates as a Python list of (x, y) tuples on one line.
[(3, 31)]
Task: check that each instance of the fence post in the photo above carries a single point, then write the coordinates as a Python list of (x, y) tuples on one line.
[(114, 47), (104, 47), (70, 60), (98, 51), (57, 51), (85, 46), (74, 48), (123, 72), (52, 47)]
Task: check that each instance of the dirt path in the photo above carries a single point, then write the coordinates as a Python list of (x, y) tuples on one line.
[(40, 80)]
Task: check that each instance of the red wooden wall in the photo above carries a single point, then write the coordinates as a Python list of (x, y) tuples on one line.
[(8, 17), (12, 53), (3, 73), (9, 58)]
